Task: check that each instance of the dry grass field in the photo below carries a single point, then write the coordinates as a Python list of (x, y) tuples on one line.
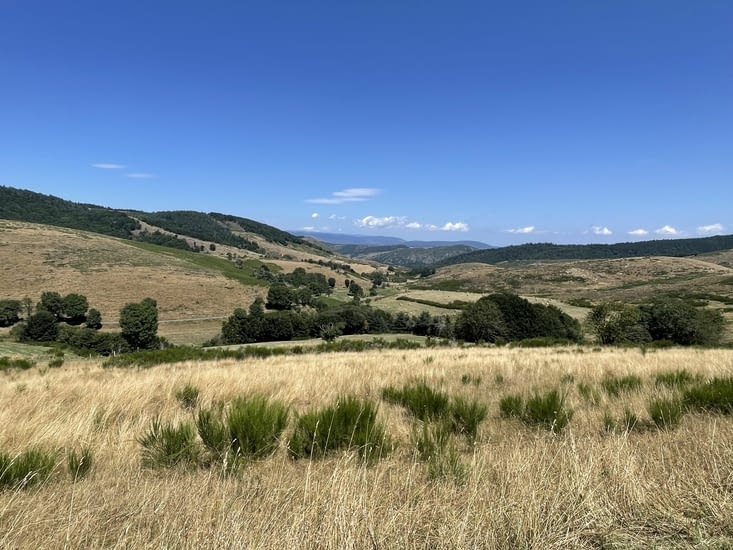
[(520, 487)]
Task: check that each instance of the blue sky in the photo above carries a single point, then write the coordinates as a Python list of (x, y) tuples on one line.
[(505, 122)]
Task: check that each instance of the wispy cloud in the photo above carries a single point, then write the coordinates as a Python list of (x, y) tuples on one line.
[(139, 175), (109, 166), (667, 230), (598, 230), (639, 232), (521, 230), (712, 229), (357, 194), (455, 226), (315, 215)]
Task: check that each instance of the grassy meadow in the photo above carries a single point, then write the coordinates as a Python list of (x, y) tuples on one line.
[(517, 486)]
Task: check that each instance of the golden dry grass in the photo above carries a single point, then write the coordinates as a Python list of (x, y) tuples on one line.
[(524, 488)]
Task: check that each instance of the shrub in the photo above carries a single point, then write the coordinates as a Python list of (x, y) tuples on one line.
[(433, 446), (628, 422), (666, 413), (56, 362), (213, 432), (613, 385), (466, 417), (255, 425), (714, 396), (348, 424), (79, 463), (676, 379), (165, 445), (511, 406), (28, 468), (419, 399), (188, 396), (548, 411)]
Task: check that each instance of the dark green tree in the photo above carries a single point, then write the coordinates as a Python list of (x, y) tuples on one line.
[(94, 319), (40, 327), (681, 322), (279, 297), (616, 323), (74, 308), (10, 312), (53, 303), (481, 321), (139, 324)]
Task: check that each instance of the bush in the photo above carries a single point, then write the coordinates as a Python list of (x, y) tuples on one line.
[(420, 400), (466, 417), (433, 446), (165, 445), (28, 468), (79, 463), (548, 411), (56, 362), (348, 424), (255, 426), (714, 396), (666, 413), (188, 396), (614, 385), (511, 406)]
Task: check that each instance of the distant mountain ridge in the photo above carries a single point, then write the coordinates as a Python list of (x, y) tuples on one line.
[(378, 240), (548, 251)]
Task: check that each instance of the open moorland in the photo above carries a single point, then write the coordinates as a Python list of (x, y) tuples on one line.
[(601, 482)]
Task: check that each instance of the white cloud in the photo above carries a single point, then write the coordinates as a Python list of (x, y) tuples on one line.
[(109, 166), (314, 215), (139, 175), (597, 230), (667, 230), (414, 225), (309, 228), (335, 217), (521, 230), (386, 221), (357, 194), (639, 232), (712, 229), (457, 226)]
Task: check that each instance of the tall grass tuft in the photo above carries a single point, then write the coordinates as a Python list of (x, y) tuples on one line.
[(677, 379), (715, 395), (255, 425), (467, 416), (615, 385), (433, 445), (423, 402), (28, 468), (188, 396), (511, 406), (348, 424), (589, 394), (213, 432), (547, 410), (666, 413), (165, 445), (79, 463)]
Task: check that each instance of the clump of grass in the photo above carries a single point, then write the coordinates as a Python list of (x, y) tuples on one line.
[(56, 362), (716, 395), (188, 396), (255, 425), (165, 445), (467, 416), (615, 385), (213, 432), (79, 463), (467, 379), (676, 379), (422, 401), (433, 446), (627, 423), (511, 406), (666, 413), (28, 468), (7, 363), (499, 379), (547, 410), (567, 378), (348, 424), (589, 394)]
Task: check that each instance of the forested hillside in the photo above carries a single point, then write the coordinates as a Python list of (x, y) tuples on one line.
[(28, 206), (547, 251)]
